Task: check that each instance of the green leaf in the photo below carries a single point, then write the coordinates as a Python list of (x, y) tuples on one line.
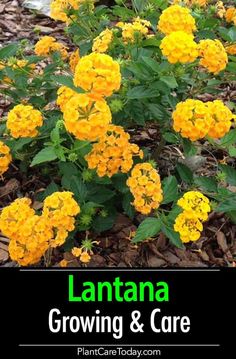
[(119, 182), (55, 135), (172, 236), (208, 184), (78, 187), (101, 224), (150, 227), (66, 81), (175, 211), (141, 92), (189, 148), (152, 42), (17, 145), (228, 139), (68, 168), (47, 154), (232, 34), (8, 51), (232, 216), (231, 67), (227, 206), (153, 64), (232, 151), (127, 206), (139, 5), (171, 137), (51, 188), (185, 173), (170, 81), (100, 194), (170, 189), (158, 111), (230, 174)]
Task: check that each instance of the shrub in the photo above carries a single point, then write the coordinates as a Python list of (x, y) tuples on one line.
[(72, 108)]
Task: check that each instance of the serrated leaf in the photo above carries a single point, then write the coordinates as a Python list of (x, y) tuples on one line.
[(170, 81), (153, 64), (189, 148), (101, 224), (172, 236), (232, 151), (171, 137), (8, 51), (148, 228), (152, 42), (170, 189), (100, 195), (230, 174), (47, 154), (51, 188), (141, 92), (227, 206), (185, 173), (78, 187), (228, 139), (68, 168), (66, 81), (208, 184), (16, 145), (175, 211), (127, 206), (119, 182), (157, 111)]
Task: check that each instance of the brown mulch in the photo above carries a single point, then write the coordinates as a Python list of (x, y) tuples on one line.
[(217, 246)]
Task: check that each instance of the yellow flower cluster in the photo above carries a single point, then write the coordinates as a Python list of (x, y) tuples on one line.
[(60, 209), (192, 119), (231, 49), (113, 152), (15, 64), (195, 119), (188, 226), (220, 9), (47, 45), (32, 242), (179, 47), (23, 121), (74, 59), (138, 28), (14, 216), (230, 15), (28, 242), (85, 118), (59, 8), (145, 186), (31, 235), (64, 94), (83, 255), (98, 74), (198, 203), (221, 117), (176, 18), (196, 208), (102, 41), (213, 55), (192, 2), (5, 158)]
